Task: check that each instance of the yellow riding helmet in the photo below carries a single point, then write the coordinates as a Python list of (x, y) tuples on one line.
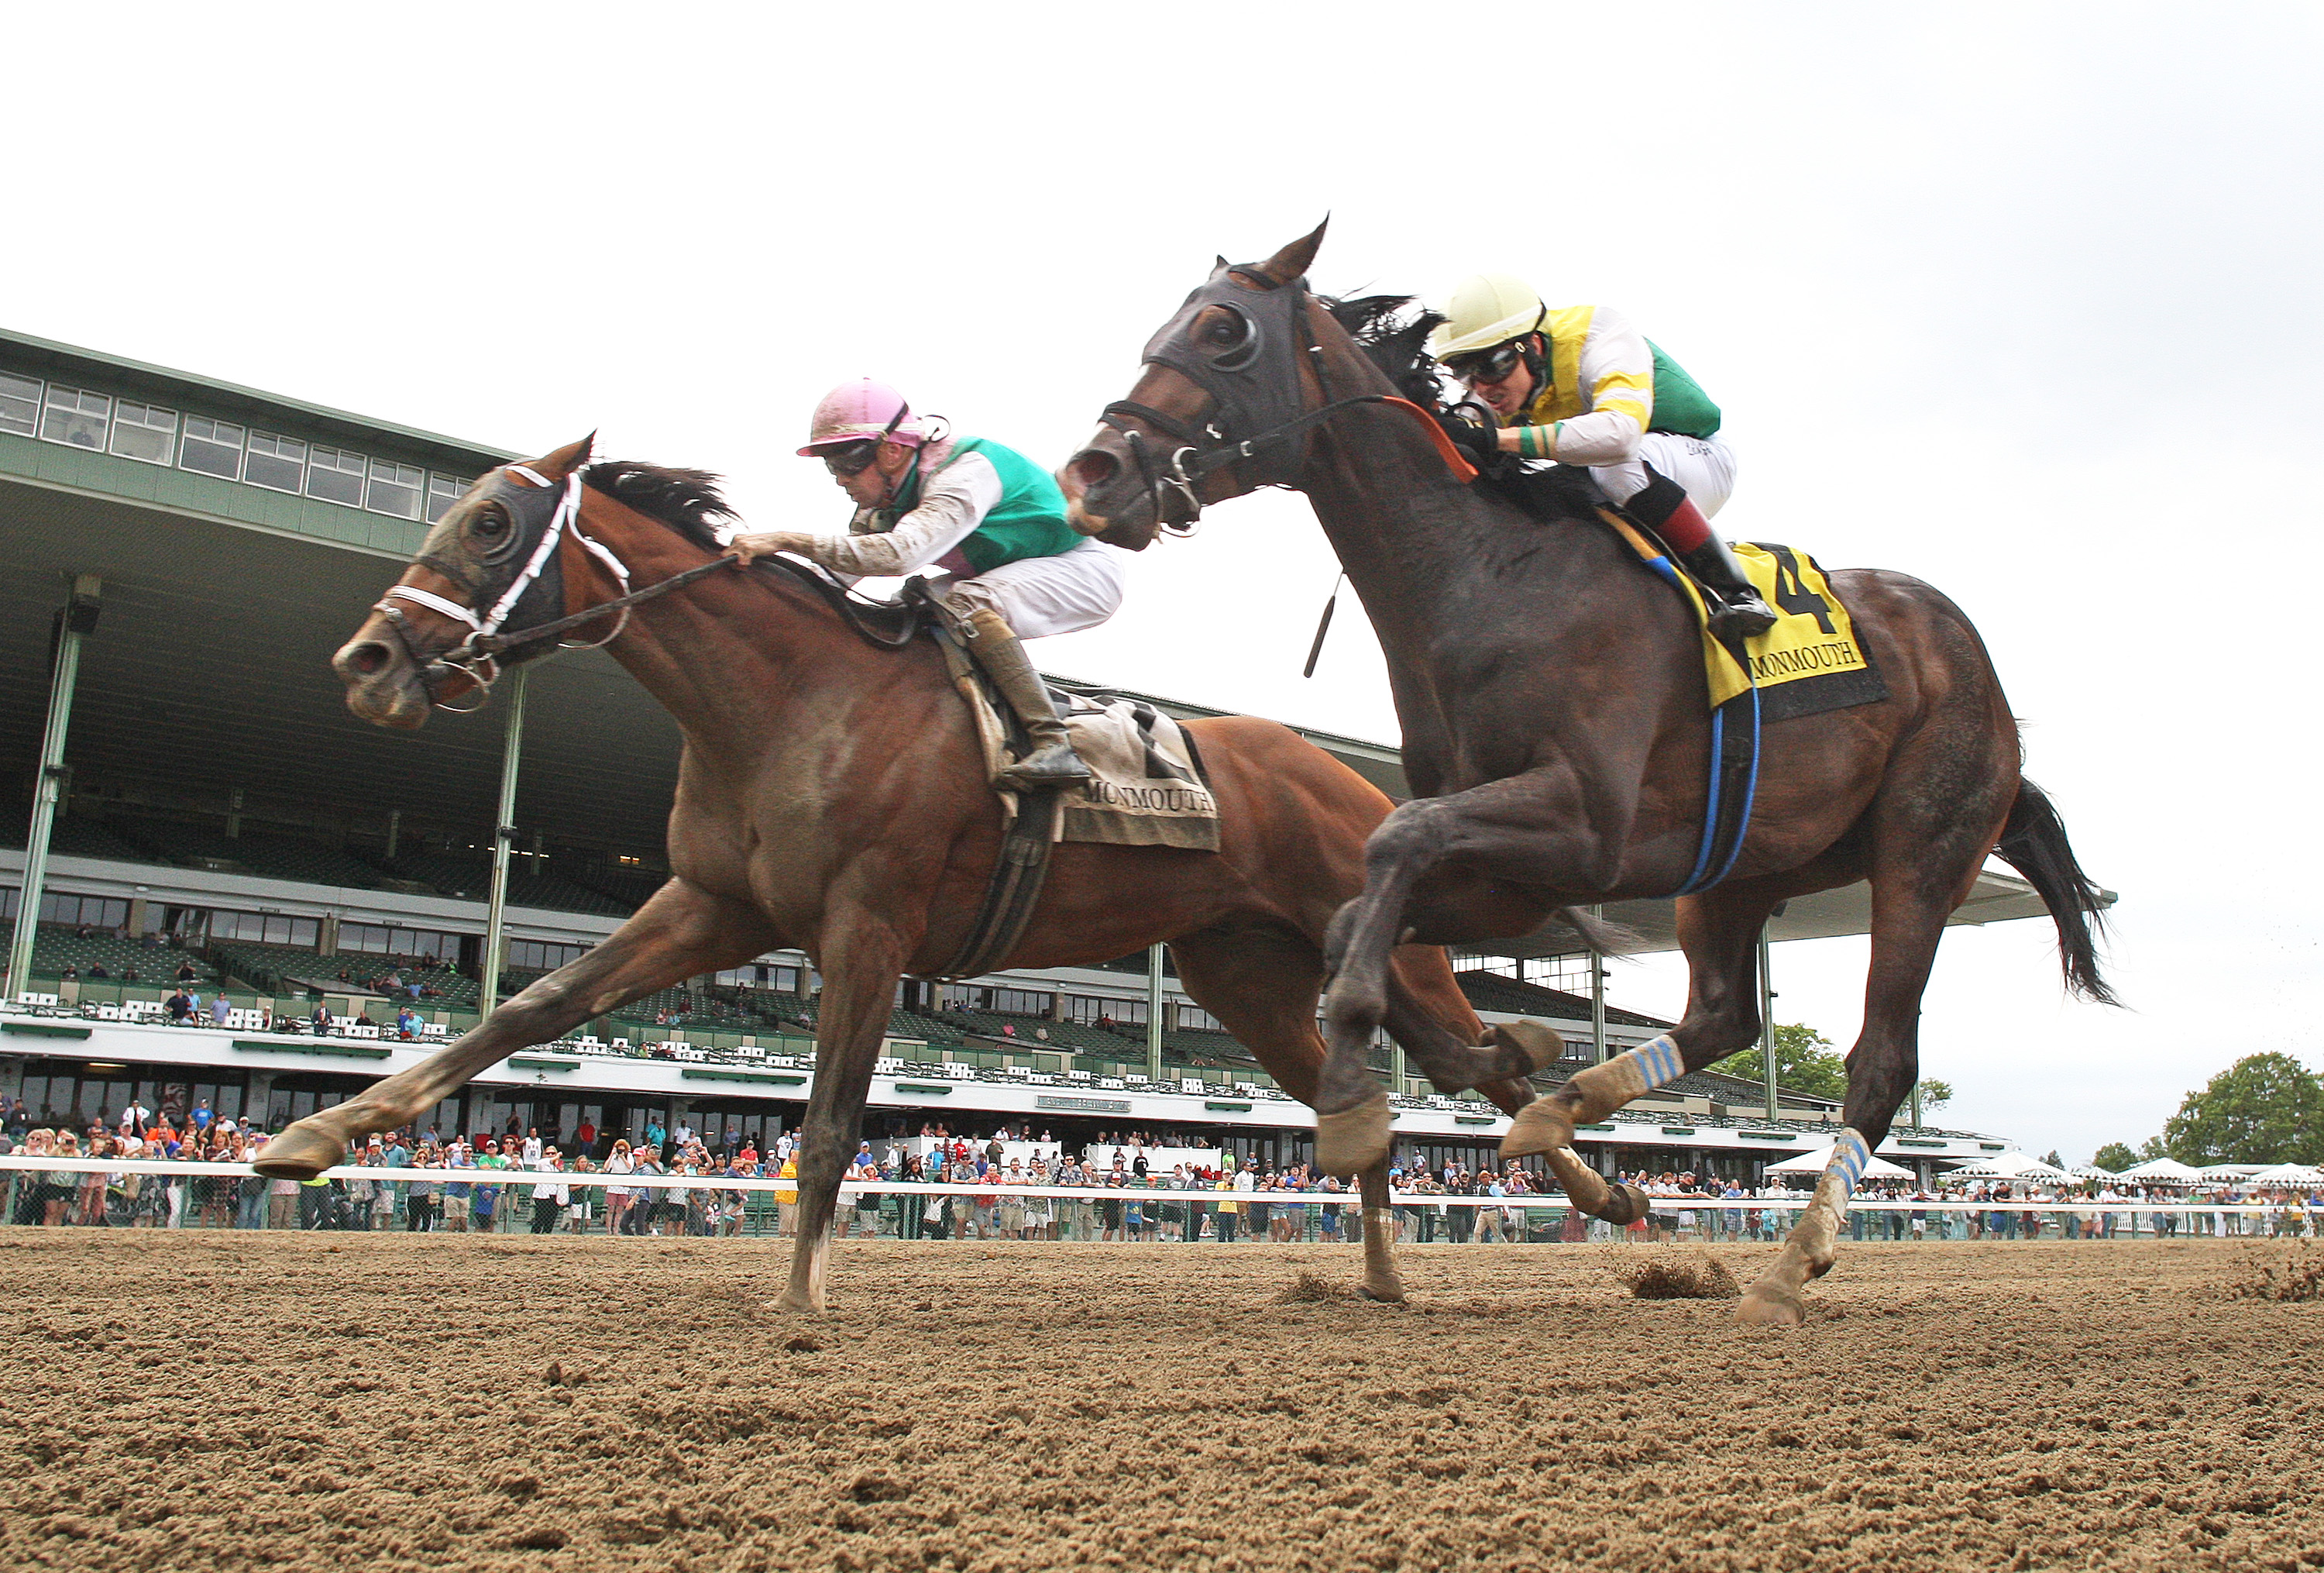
[(1486, 310)]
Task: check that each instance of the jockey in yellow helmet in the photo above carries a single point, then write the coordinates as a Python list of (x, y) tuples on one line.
[(988, 527), (1581, 385)]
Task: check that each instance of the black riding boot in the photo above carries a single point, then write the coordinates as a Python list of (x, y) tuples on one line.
[(1741, 611), (1052, 761), (1664, 508)]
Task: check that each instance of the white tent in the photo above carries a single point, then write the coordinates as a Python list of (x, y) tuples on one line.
[(2008, 1166), (1817, 1161), (2169, 1171), (2288, 1174), (2092, 1172), (2229, 1173)]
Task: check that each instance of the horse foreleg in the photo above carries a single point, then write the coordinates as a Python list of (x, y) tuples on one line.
[(861, 956), (680, 933), (1382, 1280)]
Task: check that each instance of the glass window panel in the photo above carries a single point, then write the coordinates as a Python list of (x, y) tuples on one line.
[(143, 432), (212, 447), (20, 404), (275, 462), (443, 491), (74, 417), (394, 489), (335, 475)]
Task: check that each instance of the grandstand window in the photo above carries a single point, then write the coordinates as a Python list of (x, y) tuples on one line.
[(335, 475), (145, 433), (61, 907), (378, 939), (276, 463), (75, 418), (212, 447), (394, 489), (1194, 1018), (1086, 1009), (20, 404), (266, 927), (540, 955), (443, 491), (1018, 1002)]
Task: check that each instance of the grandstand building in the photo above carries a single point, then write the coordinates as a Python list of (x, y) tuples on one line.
[(191, 798)]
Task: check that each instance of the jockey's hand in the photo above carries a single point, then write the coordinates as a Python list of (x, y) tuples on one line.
[(749, 549)]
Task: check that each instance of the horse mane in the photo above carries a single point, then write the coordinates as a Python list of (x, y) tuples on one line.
[(687, 500), (1392, 330)]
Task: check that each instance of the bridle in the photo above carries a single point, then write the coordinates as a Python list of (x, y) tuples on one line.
[(1254, 388), (476, 656)]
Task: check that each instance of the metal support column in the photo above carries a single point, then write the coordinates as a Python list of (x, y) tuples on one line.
[(1153, 1013), (1768, 1023), (1597, 1000), (76, 621), (504, 832), (1398, 1072), (1916, 1106)]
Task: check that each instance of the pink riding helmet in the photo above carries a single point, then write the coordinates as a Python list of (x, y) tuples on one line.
[(861, 409)]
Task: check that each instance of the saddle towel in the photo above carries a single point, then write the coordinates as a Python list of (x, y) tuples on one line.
[(1145, 789), (1809, 662)]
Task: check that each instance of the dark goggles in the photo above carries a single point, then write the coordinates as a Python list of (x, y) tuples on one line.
[(1488, 366), (852, 458)]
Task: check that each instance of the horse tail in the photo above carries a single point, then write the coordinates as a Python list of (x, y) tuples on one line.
[(1603, 938), (2034, 843)]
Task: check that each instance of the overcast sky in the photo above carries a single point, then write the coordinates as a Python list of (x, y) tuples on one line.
[(2022, 299)]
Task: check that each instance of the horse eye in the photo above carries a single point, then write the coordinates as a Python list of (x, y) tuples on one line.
[(1228, 330), (489, 522)]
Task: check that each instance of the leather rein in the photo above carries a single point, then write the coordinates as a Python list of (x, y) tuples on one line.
[(1251, 382)]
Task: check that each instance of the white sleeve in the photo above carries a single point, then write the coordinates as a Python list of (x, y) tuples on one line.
[(1616, 374), (951, 505)]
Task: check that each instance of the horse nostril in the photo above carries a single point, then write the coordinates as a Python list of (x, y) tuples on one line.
[(1092, 467), (366, 659)]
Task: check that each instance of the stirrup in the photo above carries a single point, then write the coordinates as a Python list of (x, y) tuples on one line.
[(1741, 617), (1053, 764)]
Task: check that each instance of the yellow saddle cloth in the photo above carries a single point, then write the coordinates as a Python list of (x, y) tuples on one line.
[(1809, 662)]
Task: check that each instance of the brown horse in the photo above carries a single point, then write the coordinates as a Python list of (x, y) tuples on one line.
[(833, 798), (1556, 724)]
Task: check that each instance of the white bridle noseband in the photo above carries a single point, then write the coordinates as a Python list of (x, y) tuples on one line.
[(481, 667)]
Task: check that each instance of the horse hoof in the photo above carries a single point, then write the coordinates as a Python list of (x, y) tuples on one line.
[(1392, 1295), (788, 1303), (299, 1152), (1352, 1140), (1541, 1126), (1625, 1205), (1541, 1046), (1770, 1308)]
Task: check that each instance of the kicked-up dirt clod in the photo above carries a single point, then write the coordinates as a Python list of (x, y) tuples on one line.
[(227, 1402)]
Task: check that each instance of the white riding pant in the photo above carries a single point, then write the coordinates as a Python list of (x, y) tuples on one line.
[(1040, 596), (1704, 466)]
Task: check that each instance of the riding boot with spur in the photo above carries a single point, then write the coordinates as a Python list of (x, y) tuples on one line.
[(1052, 763), (1737, 609)]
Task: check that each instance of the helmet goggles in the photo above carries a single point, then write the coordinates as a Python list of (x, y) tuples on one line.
[(1488, 366)]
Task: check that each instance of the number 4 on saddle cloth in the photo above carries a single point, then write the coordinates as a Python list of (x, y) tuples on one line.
[(1809, 662)]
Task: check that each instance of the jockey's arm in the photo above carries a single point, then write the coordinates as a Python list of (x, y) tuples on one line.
[(951, 505), (1619, 371)]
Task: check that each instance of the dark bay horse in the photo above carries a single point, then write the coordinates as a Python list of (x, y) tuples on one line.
[(832, 797), (1556, 722)]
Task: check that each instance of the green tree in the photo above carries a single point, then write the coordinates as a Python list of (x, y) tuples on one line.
[(2116, 1156), (2052, 1160), (2151, 1149), (2264, 1108), (1935, 1095), (1805, 1062)]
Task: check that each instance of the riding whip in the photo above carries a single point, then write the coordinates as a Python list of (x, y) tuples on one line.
[(1324, 625)]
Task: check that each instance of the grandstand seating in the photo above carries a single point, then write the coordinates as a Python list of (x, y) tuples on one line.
[(55, 944), (271, 857), (1488, 991)]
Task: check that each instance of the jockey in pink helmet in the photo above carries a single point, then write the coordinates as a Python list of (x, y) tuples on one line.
[(987, 528)]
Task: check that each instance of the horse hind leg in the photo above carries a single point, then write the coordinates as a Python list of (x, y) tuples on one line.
[(1926, 855)]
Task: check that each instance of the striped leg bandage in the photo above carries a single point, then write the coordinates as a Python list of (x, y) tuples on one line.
[(1849, 1155)]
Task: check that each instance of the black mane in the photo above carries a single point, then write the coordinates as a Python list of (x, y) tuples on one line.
[(687, 500), (1392, 330)]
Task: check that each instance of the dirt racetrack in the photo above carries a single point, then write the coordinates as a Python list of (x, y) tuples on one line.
[(363, 1403)]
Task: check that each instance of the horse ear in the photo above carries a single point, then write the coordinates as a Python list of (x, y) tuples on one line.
[(557, 466), (1293, 260)]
